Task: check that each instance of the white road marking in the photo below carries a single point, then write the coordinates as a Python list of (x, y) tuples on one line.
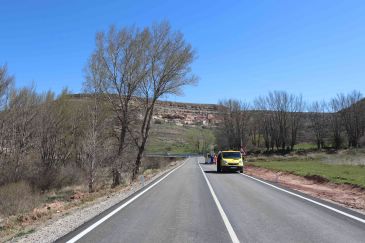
[(100, 221), (228, 225), (308, 199)]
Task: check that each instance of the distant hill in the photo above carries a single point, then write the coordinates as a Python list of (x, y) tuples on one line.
[(178, 113)]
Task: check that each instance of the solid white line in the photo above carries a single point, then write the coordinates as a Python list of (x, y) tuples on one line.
[(308, 199), (100, 221), (228, 225)]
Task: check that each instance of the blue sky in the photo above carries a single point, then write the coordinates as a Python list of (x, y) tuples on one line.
[(245, 48)]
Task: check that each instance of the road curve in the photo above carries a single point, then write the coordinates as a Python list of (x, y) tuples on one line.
[(181, 208)]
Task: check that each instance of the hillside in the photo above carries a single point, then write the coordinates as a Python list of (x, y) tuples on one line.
[(187, 113)]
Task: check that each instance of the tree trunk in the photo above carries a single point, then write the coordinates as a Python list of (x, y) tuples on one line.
[(116, 177), (91, 185), (137, 162), (145, 132), (117, 167)]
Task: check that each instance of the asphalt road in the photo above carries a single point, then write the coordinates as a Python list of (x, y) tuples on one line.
[(182, 208)]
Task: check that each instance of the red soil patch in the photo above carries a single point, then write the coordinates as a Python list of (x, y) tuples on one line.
[(316, 186)]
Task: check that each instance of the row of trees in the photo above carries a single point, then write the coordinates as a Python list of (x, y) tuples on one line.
[(42, 135), (235, 124), (275, 120), (36, 135), (280, 117), (344, 113)]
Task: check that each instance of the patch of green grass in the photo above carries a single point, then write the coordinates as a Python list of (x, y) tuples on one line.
[(175, 148), (169, 138), (53, 198), (178, 139), (305, 146), (24, 232), (60, 196), (340, 174), (150, 171)]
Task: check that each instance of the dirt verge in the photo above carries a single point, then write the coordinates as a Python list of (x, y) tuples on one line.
[(346, 195)]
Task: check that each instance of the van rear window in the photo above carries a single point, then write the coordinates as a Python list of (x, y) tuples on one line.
[(231, 155)]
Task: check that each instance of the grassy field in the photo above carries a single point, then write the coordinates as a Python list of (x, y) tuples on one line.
[(158, 146), (341, 174), (168, 138), (171, 138), (305, 146)]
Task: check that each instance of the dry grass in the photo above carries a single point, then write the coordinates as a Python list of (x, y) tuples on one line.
[(348, 157), (18, 198), (345, 157), (156, 162)]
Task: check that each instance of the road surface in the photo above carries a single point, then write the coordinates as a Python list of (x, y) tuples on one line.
[(182, 208)]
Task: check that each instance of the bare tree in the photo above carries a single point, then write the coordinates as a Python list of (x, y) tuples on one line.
[(6, 82), (279, 102), (169, 60), (235, 123), (54, 144), (352, 116), (21, 120), (93, 142), (318, 117), (78, 118), (255, 126), (335, 122), (296, 108), (116, 69), (281, 118), (265, 119)]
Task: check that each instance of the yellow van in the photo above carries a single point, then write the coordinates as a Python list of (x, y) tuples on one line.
[(229, 161)]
